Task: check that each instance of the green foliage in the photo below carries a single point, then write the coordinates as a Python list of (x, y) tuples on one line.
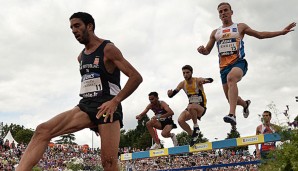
[(67, 139), (235, 134), (35, 168), (24, 136), (286, 155), (19, 132), (183, 138), (136, 138)]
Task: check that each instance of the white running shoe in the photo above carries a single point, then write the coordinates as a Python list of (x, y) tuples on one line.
[(245, 109), (155, 146), (174, 139)]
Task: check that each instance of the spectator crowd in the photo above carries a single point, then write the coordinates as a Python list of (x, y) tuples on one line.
[(57, 158)]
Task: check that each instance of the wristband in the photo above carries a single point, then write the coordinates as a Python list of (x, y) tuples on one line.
[(173, 94), (209, 79)]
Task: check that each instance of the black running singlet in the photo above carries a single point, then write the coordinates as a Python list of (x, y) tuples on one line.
[(96, 80)]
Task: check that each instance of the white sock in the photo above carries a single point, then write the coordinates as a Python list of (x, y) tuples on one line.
[(195, 125)]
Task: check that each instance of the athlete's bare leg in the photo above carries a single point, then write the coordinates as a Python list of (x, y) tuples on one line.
[(110, 139), (66, 122), (153, 123), (185, 116), (166, 132), (231, 89)]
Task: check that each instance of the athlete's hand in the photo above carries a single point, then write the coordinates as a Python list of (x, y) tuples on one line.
[(289, 28), (107, 110), (170, 92), (202, 50), (138, 117), (258, 156)]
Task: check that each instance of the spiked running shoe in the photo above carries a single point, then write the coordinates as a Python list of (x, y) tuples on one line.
[(174, 139), (230, 119), (245, 109), (194, 136), (155, 146)]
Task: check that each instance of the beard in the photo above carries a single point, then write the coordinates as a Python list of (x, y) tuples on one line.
[(85, 38)]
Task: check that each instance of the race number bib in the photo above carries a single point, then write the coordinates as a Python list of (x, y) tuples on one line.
[(195, 99), (227, 47), (91, 85)]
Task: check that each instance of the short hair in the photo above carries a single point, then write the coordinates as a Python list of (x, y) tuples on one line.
[(155, 94), (85, 17), (224, 3), (187, 67), (266, 111)]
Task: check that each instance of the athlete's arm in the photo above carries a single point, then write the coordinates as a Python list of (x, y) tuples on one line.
[(172, 93), (140, 116), (80, 57), (206, 50), (114, 59), (265, 34), (201, 80), (167, 108)]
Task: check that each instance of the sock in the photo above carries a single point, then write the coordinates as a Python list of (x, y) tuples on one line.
[(232, 115), (195, 125)]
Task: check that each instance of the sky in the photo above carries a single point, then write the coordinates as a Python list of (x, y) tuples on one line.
[(40, 76)]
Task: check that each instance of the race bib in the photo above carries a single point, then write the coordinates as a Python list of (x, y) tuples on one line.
[(227, 47), (195, 99), (91, 85), (160, 119)]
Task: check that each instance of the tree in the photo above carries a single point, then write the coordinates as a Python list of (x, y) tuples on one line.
[(138, 137), (235, 134), (183, 138), (67, 139), (24, 136), (285, 156)]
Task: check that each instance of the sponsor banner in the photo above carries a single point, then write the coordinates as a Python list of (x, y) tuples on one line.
[(159, 152), (201, 147), (126, 156), (257, 139)]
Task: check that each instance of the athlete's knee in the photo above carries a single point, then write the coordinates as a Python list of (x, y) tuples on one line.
[(181, 120), (149, 123), (164, 134), (42, 131), (109, 163)]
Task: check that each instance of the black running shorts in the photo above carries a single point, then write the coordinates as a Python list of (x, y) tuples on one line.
[(90, 105)]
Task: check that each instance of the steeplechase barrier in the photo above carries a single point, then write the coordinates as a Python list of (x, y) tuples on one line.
[(221, 144)]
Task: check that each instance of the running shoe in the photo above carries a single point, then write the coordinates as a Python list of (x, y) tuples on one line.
[(155, 146), (245, 109), (194, 136), (174, 139), (230, 119)]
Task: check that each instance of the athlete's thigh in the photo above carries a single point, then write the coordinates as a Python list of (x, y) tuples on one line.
[(157, 125), (185, 116), (67, 122), (110, 138), (236, 74), (167, 128)]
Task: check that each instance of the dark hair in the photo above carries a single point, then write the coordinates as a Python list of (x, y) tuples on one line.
[(187, 67), (266, 111), (224, 3), (85, 17), (155, 94)]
